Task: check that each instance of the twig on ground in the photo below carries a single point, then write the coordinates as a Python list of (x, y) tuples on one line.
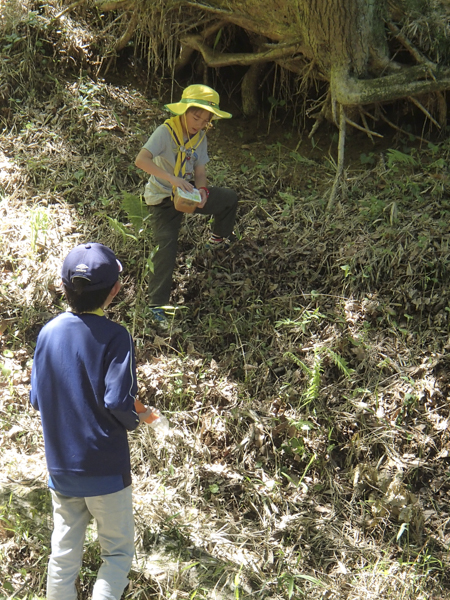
[(69, 8)]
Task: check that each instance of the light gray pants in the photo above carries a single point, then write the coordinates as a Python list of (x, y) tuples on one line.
[(115, 525)]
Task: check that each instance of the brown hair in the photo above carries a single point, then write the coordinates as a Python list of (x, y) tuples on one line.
[(197, 109)]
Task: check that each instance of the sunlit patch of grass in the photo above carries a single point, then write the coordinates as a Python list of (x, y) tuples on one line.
[(305, 377)]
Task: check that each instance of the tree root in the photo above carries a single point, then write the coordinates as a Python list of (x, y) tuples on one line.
[(249, 90), (369, 132), (126, 37), (366, 129), (347, 94), (186, 51), (391, 124), (340, 164), (218, 59), (411, 81), (418, 56), (424, 110)]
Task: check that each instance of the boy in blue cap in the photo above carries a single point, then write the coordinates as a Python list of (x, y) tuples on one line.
[(83, 382)]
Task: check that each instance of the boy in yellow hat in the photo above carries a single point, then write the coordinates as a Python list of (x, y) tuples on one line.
[(175, 155)]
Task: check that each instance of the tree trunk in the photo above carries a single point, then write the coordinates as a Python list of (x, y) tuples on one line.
[(349, 44)]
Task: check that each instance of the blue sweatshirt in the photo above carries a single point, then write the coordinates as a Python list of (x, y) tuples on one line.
[(83, 382)]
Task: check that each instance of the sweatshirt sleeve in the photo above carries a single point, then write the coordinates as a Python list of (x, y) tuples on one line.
[(120, 380), (33, 391), (33, 395)]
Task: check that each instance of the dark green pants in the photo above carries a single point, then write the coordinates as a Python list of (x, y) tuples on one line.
[(165, 223)]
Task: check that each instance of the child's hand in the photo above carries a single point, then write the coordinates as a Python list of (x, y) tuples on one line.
[(150, 415), (146, 413), (204, 196), (182, 184)]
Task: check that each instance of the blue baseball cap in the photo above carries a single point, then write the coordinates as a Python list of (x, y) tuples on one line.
[(94, 262)]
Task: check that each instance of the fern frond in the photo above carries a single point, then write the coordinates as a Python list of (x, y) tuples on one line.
[(298, 362), (340, 362), (120, 228), (395, 156), (135, 209), (312, 392)]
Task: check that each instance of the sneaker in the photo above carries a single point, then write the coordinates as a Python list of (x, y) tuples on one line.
[(159, 317), (216, 242)]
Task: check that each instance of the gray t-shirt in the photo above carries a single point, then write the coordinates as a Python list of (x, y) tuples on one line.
[(164, 151)]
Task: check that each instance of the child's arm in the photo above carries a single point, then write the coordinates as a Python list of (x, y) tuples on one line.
[(120, 379), (144, 161)]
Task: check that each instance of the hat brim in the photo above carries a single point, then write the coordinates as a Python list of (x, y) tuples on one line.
[(179, 108)]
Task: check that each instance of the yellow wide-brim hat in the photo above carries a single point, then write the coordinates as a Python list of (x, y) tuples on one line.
[(201, 96)]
